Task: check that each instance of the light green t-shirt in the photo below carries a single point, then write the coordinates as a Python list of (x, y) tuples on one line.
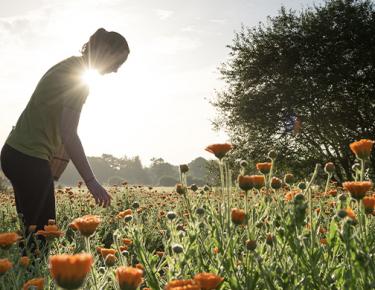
[(37, 132)]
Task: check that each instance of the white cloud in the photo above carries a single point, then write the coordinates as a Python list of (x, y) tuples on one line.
[(164, 14)]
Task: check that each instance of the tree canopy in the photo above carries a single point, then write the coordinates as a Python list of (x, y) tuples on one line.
[(302, 83)]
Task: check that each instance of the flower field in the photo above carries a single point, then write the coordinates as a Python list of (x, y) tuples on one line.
[(257, 231)]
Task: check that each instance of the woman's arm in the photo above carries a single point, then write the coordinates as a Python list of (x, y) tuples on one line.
[(73, 146)]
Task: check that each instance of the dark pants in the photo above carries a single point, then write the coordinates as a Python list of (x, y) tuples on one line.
[(33, 186)]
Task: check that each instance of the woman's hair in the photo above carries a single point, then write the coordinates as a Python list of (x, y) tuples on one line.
[(103, 38)]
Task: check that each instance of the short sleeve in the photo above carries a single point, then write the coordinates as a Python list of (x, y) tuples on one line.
[(75, 96)]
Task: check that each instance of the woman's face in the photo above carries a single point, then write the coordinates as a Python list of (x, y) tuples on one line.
[(112, 62)]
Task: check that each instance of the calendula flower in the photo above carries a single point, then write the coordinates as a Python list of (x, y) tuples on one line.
[(238, 216), (24, 261), (34, 284), (181, 189), (264, 168), (86, 224), (182, 285), (350, 213), (251, 245), (50, 232), (184, 168), (5, 266), (104, 252), (288, 178), (323, 241), (70, 271), (357, 189), (129, 278), (245, 182), (159, 253), (219, 150), (362, 148), (208, 281), (276, 183), (369, 204), (124, 213), (110, 260), (258, 181), (8, 239), (329, 168)]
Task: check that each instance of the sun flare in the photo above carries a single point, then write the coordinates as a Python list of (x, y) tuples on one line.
[(92, 78)]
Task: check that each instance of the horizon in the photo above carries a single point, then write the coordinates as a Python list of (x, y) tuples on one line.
[(157, 105)]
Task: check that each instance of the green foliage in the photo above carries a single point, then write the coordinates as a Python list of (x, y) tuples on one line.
[(302, 84), (167, 181)]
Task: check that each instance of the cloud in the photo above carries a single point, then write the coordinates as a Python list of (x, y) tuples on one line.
[(164, 14), (175, 44), (218, 21)]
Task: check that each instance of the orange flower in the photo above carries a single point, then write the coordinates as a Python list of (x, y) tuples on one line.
[(159, 253), (238, 216), (86, 224), (70, 271), (258, 181), (357, 189), (208, 281), (182, 285), (290, 195), (8, 239), (350, 213), (34, 284), (219, 150), (124, 213), (127, 242), (129, 278), (110, 260), (50, 232), (264, 168), (216, 250), (24, 261), (5, 266), (369, 203), (362, 148), (245, 182), (104, 252), (323, 241)]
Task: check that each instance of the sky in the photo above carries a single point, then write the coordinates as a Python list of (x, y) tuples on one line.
[(157, 104)]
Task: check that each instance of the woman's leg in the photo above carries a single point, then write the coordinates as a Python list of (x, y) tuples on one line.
[(33, 186)]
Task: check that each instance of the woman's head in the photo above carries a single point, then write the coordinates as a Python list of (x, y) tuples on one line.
[(106, 51)]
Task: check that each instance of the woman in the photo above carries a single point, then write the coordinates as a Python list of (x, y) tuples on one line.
[(49, 123)]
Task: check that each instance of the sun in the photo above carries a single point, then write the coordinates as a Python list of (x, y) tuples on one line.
[(92, 78)]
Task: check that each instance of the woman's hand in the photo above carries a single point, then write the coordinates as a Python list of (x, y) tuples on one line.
[(100, 195)]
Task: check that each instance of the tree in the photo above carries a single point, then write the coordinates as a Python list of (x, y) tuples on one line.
[(302, 84)]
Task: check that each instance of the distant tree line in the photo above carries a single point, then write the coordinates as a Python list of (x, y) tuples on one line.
[(111, 170)]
